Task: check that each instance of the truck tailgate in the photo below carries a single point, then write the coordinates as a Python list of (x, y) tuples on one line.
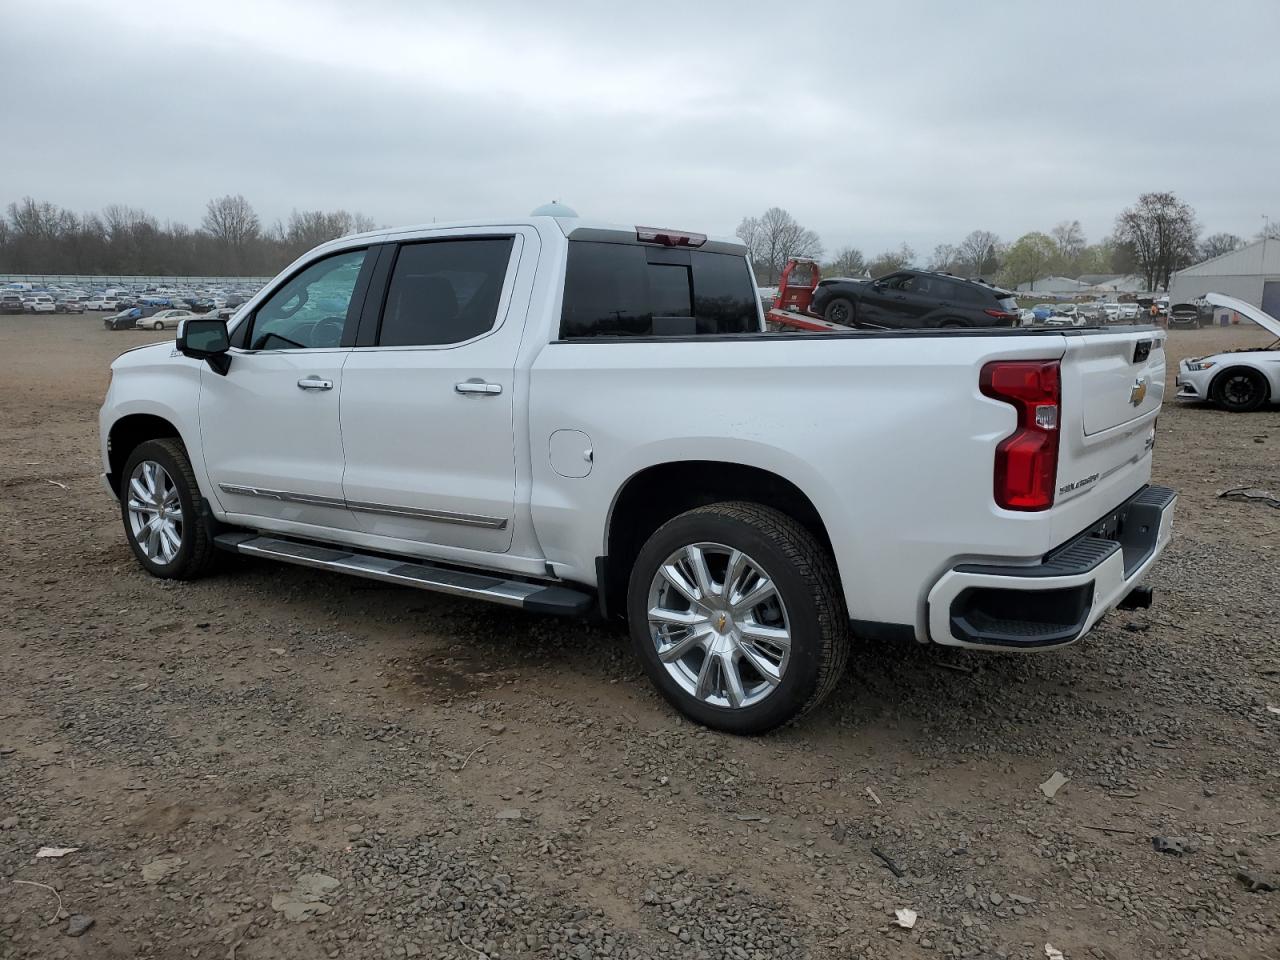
[(1123, 377), (1112, 388)]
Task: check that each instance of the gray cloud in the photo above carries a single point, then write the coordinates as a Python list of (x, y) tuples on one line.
[(906, 121)]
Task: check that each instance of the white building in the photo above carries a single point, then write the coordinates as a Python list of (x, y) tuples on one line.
[(1251, 274), (1052, 286)]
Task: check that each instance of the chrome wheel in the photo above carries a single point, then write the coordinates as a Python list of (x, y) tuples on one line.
[(155, 512), (719, 625)]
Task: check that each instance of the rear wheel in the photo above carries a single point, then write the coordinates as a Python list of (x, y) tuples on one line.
[(1240, 390), (160, 505), (158, 325), (737, 616), (841, 311), (951, 324)]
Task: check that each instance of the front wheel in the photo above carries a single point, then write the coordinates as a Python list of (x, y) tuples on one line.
[(737, 616), (160, 506), (1241, 390), (841, 311), (158, 325)]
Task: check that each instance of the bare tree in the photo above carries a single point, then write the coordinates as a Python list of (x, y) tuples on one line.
[(231, 222), (892, 260), (1163, 231), (773, 238), (945, 259), (1068, 238), (1216, 244), (848, 262), (980, 253)]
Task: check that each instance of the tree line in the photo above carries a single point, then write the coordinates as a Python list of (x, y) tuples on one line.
[(1156, 236), (40, 237)]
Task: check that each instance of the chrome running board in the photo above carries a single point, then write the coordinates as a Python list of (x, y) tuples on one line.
[(535, 597)]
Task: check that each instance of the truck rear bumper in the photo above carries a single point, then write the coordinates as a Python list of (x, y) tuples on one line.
[(1058, 600)]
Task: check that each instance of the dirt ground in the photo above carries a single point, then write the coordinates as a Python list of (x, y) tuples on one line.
[(278, 763)]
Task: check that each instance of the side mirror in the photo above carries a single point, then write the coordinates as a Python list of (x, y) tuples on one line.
[(203, 339)]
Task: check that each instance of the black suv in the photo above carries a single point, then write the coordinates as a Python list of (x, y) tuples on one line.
[(914, 298)]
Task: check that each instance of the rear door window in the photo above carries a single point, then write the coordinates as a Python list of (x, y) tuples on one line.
[(444, 291), (629, 290)]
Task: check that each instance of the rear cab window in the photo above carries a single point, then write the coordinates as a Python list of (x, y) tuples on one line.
[(634, 290)]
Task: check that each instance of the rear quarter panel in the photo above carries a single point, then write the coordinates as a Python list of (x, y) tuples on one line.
[(888, 436)]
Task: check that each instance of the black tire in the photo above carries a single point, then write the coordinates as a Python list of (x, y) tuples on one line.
[(842, 311), (158, 325), (952, 324), (196, 552), (804, 574), (1240, 390)]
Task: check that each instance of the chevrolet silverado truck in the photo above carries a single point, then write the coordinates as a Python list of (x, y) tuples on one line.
[(572, 417)]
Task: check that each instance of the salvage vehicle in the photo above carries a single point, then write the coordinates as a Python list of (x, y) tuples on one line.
[(565, 416), (914, 298), (163, 319), (127, 319), (1237, 380)]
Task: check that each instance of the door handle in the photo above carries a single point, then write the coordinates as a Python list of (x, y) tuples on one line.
[(478, 387), (315, 383)]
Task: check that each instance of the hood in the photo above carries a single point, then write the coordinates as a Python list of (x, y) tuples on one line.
[(1265, 320)]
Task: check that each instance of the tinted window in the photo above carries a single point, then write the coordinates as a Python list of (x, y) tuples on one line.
[(444, 291), (312, 309), (616, 289)]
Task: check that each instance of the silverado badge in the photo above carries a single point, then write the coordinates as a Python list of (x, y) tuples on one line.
[(1138, 392)]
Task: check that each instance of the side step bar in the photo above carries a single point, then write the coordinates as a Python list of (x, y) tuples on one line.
[(535, 597)]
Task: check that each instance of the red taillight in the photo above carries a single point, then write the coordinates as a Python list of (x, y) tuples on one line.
[(1027, 460), (669, 238), (1000, 314)]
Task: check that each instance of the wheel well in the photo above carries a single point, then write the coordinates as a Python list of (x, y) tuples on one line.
[(1240, 368), (655, 495), (126, 433)]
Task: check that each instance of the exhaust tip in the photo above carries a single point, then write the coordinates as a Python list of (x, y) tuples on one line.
[(1139, 598)]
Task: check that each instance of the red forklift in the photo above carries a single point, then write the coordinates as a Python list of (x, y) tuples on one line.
[(790, 309)]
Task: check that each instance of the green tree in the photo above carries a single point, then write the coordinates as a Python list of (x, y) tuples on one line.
[(1029, 259)]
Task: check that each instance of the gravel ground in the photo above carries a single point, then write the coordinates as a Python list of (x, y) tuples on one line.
[(276, 763)]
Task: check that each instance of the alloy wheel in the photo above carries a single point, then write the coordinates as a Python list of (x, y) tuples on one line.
[(155, 512), (719, 626)]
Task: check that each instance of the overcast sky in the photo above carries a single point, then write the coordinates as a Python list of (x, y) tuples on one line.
[(872, 124)]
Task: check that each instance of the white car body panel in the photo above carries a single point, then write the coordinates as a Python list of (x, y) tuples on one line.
[(888, 436)]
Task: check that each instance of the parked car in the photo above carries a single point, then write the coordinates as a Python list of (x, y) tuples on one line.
[(102, 302), (164, 319), (1236, 380), (126, 319), (1184, 315), (914, 298), (11, 302), (1111, 311), (466, 461), (69, 305), (1043, 311), (39, 303), (1129, 311)]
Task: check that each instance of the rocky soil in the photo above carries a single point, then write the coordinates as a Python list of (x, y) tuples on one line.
[(276, 763)]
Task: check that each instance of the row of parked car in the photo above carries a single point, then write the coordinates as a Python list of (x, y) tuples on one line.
[(1084, 314), (23, 298)]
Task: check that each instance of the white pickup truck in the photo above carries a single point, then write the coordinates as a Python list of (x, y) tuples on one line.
[(565, 416)]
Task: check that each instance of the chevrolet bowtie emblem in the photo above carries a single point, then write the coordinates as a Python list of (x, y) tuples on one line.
[(1138, 392)]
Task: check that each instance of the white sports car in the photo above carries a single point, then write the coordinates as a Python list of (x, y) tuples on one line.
[(1237, 380)]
